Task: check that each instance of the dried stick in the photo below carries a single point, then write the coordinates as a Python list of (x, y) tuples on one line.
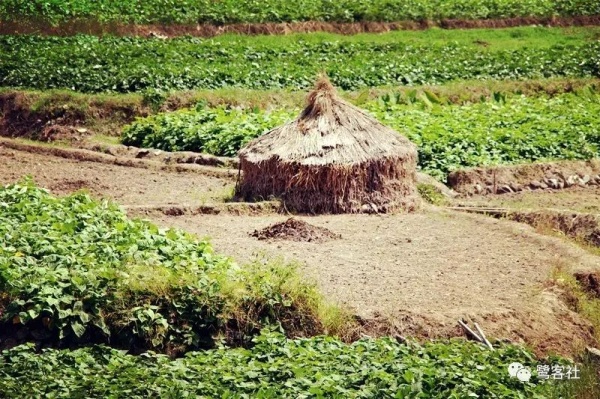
[(471, 332), (480, 331)]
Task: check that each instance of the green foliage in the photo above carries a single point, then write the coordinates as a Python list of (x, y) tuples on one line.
[(235, 11), (501, 131), (132, 64), (84, 266), (277, 367), (153, 98), (219, 131), (518, 129), (431, 194), (84, 270)]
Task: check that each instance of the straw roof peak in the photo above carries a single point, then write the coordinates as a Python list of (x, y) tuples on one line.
[(320, 100), (323, 84)]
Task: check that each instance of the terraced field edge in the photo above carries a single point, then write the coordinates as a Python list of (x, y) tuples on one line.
[(93, 27)]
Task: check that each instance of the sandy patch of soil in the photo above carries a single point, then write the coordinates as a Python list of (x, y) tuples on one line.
[(576, 199), (572, 212)]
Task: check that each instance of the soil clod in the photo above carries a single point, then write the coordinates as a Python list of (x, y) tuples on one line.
[(295, 230)]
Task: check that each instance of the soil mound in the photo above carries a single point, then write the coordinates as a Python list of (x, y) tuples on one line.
[(295, 230)]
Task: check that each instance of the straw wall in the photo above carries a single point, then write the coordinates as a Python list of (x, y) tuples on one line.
[(383, 185)]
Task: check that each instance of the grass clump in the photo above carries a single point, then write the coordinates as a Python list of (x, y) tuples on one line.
[(581, 301), (431, 194), (275, 292), (586, 304), (74, 271)]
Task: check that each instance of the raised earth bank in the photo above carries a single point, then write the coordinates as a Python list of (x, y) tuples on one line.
[(92, 27)]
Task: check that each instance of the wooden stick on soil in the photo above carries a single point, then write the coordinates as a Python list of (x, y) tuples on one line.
[(480, 331), (471, 332)]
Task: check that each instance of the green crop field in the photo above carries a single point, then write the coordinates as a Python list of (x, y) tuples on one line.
[(98, 303), (217, 131), (500, 131), (276, 367), (91, 64), (235, 11)]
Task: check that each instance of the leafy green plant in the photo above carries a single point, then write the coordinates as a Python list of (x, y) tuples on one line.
[(76, 270), (519, 129), (278, 367), (153, 98), (219, 131), (235, 11), (431, 194)]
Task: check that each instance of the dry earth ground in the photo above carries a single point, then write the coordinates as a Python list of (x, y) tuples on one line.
[(125, 185), (424, 271), (412, 274), (577, 199)]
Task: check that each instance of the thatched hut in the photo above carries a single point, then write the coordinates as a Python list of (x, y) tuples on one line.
[(334, 158)]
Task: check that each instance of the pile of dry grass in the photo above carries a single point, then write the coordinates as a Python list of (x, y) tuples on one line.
[(334, 158)]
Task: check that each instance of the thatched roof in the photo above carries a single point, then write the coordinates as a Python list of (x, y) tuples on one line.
[(333, 158), (329, 131)]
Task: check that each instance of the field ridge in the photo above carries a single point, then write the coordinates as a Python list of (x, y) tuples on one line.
[(93, 27)]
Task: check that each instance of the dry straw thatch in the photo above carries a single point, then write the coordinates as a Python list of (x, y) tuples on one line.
[(334, 158)]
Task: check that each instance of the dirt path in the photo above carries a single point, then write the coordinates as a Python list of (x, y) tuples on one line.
[(413, 274)]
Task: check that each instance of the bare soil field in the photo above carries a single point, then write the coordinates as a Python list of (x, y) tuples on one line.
[(125, 185), (410, 274), (577, 199), (573, 212), (422, 272)]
